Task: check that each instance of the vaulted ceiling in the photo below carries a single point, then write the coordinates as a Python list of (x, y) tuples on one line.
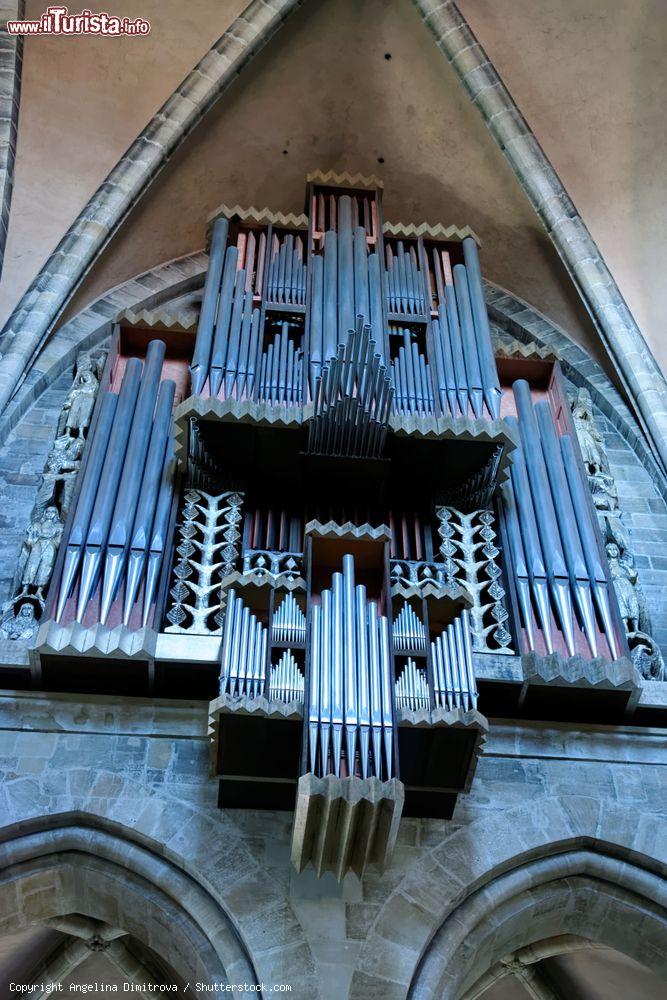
[(588, 77)]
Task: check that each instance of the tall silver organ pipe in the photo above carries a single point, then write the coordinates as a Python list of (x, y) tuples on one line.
[(203, 344), (551, 537), (156, 470), (350, 686), (543, 504), (133, 468), (125, 496), (84, 507), (489, 372)]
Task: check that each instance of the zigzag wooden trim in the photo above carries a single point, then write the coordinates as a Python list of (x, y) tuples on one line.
[(76, 640), (344, 180), (515, 349), (438, 232), (260, 216), (433, 589), (455, 718), (348, 530), (180, 322), (232, 410), (557, 670)]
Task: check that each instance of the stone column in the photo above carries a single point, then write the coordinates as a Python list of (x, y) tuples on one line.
[(11, 60)]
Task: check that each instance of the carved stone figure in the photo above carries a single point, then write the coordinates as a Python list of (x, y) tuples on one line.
[(78, 407), (62, 466), (632, 603), (646, 656), (590, 439), (624, 575), (41, 546), (21, 624)]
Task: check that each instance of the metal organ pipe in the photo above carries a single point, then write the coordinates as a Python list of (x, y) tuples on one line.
[(529, 534), (84, 506), (546, 498), (220, 338), (491, 385), (100, 520), (345, 267), (146, 505), (203, 344), (130, 481), (350, 658), (567, 522), (596, 574), (468, 339), (545, 513)]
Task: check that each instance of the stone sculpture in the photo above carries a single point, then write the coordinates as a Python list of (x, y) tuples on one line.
[(52, 503), (40, 550), (634, 611), (78, 407)]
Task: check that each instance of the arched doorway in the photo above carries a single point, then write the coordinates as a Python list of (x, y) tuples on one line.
[(570, 899), (83, 905)]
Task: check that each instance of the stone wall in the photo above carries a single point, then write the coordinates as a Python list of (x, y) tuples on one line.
[(137, 773)]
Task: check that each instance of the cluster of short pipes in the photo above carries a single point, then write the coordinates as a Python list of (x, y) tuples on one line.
[(352, 401), (451, 658)]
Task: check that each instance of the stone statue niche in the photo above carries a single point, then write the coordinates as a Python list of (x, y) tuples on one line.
[(20, 615), (644, 650)]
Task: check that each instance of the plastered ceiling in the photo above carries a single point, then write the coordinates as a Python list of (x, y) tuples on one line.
[(322, 94)]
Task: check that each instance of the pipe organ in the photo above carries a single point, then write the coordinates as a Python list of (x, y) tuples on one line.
[(339, 512)]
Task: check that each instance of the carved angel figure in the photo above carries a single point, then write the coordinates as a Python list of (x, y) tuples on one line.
[(625, 576), (78, 407), (590, 439), (41, 545)]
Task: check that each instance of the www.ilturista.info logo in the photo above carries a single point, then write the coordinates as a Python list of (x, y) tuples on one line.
[(59, 21)]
